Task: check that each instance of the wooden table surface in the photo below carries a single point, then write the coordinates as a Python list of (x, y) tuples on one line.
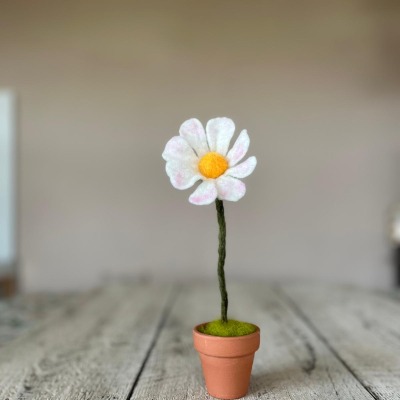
[(134, 341)]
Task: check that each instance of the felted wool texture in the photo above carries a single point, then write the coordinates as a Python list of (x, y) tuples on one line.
[(232, 328), (199, 154), (219, 204), (213, 165)]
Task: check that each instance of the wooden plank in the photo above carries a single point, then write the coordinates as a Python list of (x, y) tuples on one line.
[(21, 313), (292, 363), (362, 327), (93, 350)]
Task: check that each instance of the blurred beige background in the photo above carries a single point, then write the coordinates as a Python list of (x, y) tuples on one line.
[(103, 85)]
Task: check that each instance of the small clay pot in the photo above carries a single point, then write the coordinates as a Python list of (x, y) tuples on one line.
[(226, 362)]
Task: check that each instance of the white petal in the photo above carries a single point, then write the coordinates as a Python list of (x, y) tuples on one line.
[(230, 188), (219, 134), (192, 130), (178, 149), (243, 169), (183, 175), (205, 193), (239, 149)]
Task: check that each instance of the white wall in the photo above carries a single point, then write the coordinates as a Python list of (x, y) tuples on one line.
[(103, 86)]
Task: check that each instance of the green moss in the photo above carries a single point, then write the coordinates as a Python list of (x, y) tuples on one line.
[(227, 329)]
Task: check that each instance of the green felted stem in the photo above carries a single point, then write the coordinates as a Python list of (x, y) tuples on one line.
[(221, 260), (231, 328)]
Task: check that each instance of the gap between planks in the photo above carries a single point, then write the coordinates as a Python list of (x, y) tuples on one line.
[(164, 316), (313, 327), (92, 349), (360, 326), (292, 363)]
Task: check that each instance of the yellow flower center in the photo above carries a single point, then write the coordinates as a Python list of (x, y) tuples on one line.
[(213, 165)]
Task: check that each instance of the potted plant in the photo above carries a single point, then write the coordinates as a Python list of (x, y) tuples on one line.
[(226, 347)]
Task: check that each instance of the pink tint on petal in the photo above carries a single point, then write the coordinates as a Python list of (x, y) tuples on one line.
[(205, 193), (239, 152), (179, 179), (178, 148), (243, 169), (181, 174), (230, 189), (192, 130), (200, 198), (239, 149)]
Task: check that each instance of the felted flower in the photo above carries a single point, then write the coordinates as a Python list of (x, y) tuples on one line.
[(198, 154)]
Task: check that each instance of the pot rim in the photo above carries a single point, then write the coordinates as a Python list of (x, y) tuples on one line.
[(226, 346), (232, 338)]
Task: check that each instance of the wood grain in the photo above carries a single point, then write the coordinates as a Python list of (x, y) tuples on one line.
[(93, 349), (21, 313), (361, 327), (134, 342), (292, 363)]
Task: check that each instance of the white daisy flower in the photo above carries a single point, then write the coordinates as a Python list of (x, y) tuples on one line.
[(199, 154)]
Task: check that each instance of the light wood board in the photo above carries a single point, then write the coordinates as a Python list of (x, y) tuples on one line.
[(362, 327), (94, 349), (21, 313), (292, 363), (134, 342)]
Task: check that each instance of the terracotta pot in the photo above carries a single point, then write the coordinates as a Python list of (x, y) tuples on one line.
[(226, 362)]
